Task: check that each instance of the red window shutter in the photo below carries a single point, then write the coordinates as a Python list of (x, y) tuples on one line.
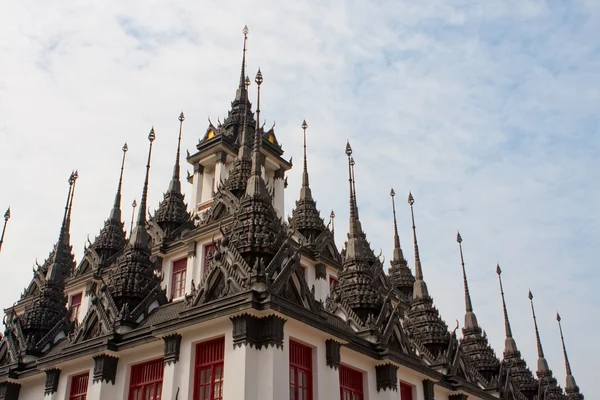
[(79, 385), (208, 370), (406, 392), (333, 282), (351, 384), (146, 381), (300, 371), (178, 278), (75, 305), (304, 271)]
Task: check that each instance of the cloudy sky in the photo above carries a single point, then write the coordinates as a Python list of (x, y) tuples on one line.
[(486, 111)]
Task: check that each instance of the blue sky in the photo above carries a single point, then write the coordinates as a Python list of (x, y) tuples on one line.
[(486, 111)]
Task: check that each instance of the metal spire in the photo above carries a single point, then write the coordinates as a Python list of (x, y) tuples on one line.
[(420, 287), (470, 319), (256, 185), (242, 92), (332, 219), (571, 386), (305, 192), (244, 150), (134, 205), (509, 343), (175, 185), (115, 213), (6, 218), (542, 364), (139, 236), (355, 227), (398, 254)]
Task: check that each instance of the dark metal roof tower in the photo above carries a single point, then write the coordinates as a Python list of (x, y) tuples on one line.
[(474, 344), (424, 322), (400, 275), (512, 362), (305, 215), (172, 210), (6, 218), (111, 238)]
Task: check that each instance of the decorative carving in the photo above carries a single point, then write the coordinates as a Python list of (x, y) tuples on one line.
[(386, 377), (332, 353), (258, 332), (458, 396), (172, 346), (428, 393), (320, 271), (52, 377), (105, 368), (9, 390)]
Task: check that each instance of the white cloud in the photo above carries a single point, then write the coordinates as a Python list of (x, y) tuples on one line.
[(487, 112)]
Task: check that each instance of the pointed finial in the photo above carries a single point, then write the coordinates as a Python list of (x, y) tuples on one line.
[(305, 170), (115, 213), (72, 181), (242, 94), (419, 287), (354, 224), (470, 319), (6, 218), (332, 219), (542, 364), (175, 184), (571, 386), (139, 236), (256, 185), (134, 205), (510, 346), (398, 254)]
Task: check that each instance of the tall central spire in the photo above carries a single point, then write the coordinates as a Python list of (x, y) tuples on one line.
[(242, 92), (510, 346), (470, 319), (355, 227), (115, 213)]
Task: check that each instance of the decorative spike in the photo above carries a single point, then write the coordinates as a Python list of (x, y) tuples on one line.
[(542, 363), (420, 288), (139, 236), (332, 218), (244, 150), (242, 85), (355, 227), (398, 255), (134, 205), (470, 318), (256, 184), (175, 185), (6, 218), (571, 386), (115, 213), (510, 346), (305, 170)]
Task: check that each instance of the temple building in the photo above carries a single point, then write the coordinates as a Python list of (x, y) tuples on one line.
[(216, 296)]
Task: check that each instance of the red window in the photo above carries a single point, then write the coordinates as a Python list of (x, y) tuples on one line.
[(209, 252), (304, 271), (146, 381), (333, 282), (300, 372), (75, 305), (351, 384), (406, 392), (79, 385), (208, 371), (178, 278)]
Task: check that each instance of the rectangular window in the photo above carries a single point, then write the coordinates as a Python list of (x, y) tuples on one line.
[(351, 384), (209, 252), (406, 391), (146, 381), (208, 370), (75, 305), (178, 278), (300, 372), (333, 282), (79, 385)]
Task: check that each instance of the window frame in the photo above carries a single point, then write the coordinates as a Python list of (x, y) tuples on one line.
[(404, 388), (300, 363), (81, 395), (77, 307), (349, 384), (158, 363), (216, 345), (205, 256), (181, 271)]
